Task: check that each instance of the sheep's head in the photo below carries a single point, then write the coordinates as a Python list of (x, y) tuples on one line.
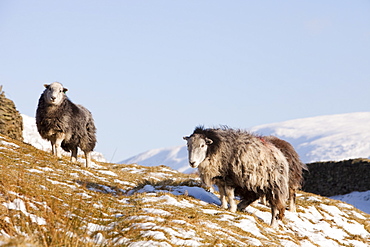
[(54, 93), (197, 148)]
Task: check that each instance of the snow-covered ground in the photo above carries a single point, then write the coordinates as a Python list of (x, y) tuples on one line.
[(323, 138), (319, 221), (302, 136), (159, 218), (360, 200)]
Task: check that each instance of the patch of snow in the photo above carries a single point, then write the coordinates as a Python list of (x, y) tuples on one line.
[(147, 218), (5, 143), (133, 170), (149, 243), (248, 224), (91, 227), (110, 173), (18, 204), (154, 234), (35, 170), (156, 211), (360, 200)]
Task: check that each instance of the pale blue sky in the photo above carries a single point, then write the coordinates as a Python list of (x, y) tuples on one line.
[(150, 71)]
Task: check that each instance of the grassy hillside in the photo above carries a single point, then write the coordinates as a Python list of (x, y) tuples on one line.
[(45, 201)]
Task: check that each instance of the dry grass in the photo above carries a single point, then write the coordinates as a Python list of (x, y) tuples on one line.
[(67, 205)]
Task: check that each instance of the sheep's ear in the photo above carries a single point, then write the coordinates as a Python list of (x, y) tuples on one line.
[(46, 85), (208, 141), (186, 138), (65, 90)]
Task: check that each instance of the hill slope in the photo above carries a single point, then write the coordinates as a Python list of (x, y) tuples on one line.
[(45, 201), (324, 138)]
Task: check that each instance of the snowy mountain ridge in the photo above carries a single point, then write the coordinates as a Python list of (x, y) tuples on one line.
[(323, 138)]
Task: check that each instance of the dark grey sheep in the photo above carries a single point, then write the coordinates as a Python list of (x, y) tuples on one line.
[(65, 124), (238, 159)]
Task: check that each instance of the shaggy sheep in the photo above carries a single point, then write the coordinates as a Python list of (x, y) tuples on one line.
[(64, 123), (238, 159), (296, 168)]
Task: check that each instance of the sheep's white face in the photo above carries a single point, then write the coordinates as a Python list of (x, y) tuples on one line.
[(197, 149), (54, 93)]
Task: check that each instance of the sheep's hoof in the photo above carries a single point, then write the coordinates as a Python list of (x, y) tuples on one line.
[(233, 209)]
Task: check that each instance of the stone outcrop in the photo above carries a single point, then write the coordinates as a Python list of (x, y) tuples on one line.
[(11, 122)]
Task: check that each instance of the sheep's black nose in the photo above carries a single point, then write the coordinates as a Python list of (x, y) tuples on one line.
[(192, 163), (53, 98)]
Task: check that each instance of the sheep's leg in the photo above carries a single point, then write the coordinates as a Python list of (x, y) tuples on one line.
[(223, 200), (74, 155), (292, 197), (53, 151), (277, 211), (229, 191), (274, 215), (56, 147), (88, 158)]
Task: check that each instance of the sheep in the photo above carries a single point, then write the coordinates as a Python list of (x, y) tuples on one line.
[(238, 159), (296, 167), (65, 124)]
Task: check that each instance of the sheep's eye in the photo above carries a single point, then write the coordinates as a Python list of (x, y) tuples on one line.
[(202, 146)]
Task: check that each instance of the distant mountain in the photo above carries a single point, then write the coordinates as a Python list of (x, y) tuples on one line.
[(175, 157), (323, 138), (32, 136)]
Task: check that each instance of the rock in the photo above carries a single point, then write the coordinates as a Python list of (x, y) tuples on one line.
[(11, 123)]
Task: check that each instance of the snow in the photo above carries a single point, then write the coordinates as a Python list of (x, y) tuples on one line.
[(308, 223), (19, 205), (323, 138), (360, 200), (175, 157)]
